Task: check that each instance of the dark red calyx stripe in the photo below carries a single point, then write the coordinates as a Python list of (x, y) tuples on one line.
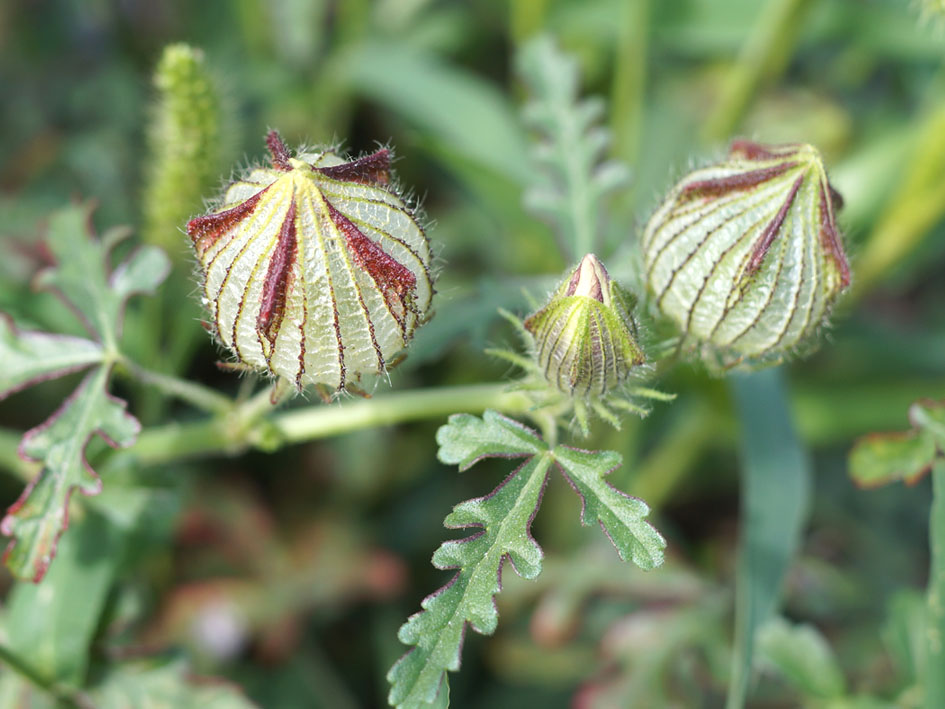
[(835, 198), (204, 231), (278, 278), (751, 150), (371, 169), (739, 181), (278, 150), (830, 239), (395, 281), (773, 229)]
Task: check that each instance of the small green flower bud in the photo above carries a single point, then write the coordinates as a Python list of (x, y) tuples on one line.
[(585, 337), (745, 255)]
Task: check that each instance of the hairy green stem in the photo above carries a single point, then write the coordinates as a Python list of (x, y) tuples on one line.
[(935, 626), (245, 426), (201, 397), (323, 421), (763, 56)]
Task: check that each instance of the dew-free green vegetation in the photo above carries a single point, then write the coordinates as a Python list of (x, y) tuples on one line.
[(697, 531)]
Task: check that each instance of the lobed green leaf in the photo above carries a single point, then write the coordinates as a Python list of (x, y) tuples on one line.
[(572, 179), (41, 515), (466, 439), (621, 516), (28, 356), (880, 458), (81, 275), (502, 520), (82, 278), (504, 517)]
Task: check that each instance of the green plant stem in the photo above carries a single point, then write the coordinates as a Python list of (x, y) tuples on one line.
[(244, 426), (323, 421), (629, 83), (935, 626), (764, 56), (201, 397), (908, 221)]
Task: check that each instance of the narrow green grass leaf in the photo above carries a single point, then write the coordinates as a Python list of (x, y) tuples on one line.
[(457, 108), (621, 516), (775, 492)]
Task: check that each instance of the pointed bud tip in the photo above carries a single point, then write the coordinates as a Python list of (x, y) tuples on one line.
[(585, 340), (745, 255)]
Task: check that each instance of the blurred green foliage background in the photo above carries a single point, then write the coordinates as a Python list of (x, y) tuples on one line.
[(290, 573)]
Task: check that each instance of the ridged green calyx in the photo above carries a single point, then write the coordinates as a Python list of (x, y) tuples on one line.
[(314, 269), (585, 337), (745, 255)]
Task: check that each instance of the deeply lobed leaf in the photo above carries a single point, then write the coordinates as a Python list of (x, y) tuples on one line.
[(81, 273), (82, 278), (619, 515), (466, 439), (504, 517), (29, 357), (502, 520), (572, 180)]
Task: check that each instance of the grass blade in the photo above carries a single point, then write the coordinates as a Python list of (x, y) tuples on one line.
[(775, 491)]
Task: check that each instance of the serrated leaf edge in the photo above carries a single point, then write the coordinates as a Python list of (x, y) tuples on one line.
[(644, 514), (9, 517), (53, 374)]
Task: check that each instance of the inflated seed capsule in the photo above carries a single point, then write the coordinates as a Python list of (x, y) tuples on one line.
[(314, 269), (585, 337), (745, 255)]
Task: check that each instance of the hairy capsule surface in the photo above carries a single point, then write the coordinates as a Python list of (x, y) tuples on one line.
[(745, 255), (585, 337), (314, 269)]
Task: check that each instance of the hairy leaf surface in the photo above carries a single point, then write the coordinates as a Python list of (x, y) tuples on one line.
[(83, 279), (502, 520)]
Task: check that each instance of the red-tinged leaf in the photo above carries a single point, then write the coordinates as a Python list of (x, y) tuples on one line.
[(41, 515), (881, 458), (82, 277), (28, 357)]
